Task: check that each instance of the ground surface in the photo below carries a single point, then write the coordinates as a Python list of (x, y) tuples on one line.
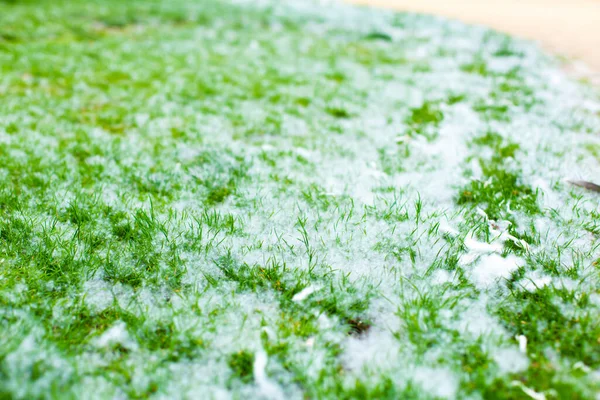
[(259, 199), (568, 27)]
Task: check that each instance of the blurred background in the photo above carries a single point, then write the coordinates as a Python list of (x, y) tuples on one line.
[(567, 27)]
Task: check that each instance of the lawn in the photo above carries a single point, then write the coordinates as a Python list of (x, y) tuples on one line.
[(291, 199)]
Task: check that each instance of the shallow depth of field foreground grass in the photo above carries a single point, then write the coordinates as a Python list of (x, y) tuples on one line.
[(267, 199)]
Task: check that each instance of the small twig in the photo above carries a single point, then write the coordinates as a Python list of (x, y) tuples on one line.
[(586, 185)]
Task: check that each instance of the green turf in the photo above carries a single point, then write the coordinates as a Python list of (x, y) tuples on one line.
[(265, 199)]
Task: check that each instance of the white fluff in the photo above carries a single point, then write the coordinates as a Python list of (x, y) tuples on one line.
[(491, 267), (268, 388)]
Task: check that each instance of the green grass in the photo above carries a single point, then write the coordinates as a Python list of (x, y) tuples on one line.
[(499, 187), (428, 115), (372, 201)]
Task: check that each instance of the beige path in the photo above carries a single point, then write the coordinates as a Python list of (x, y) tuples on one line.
[(567, 27)]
